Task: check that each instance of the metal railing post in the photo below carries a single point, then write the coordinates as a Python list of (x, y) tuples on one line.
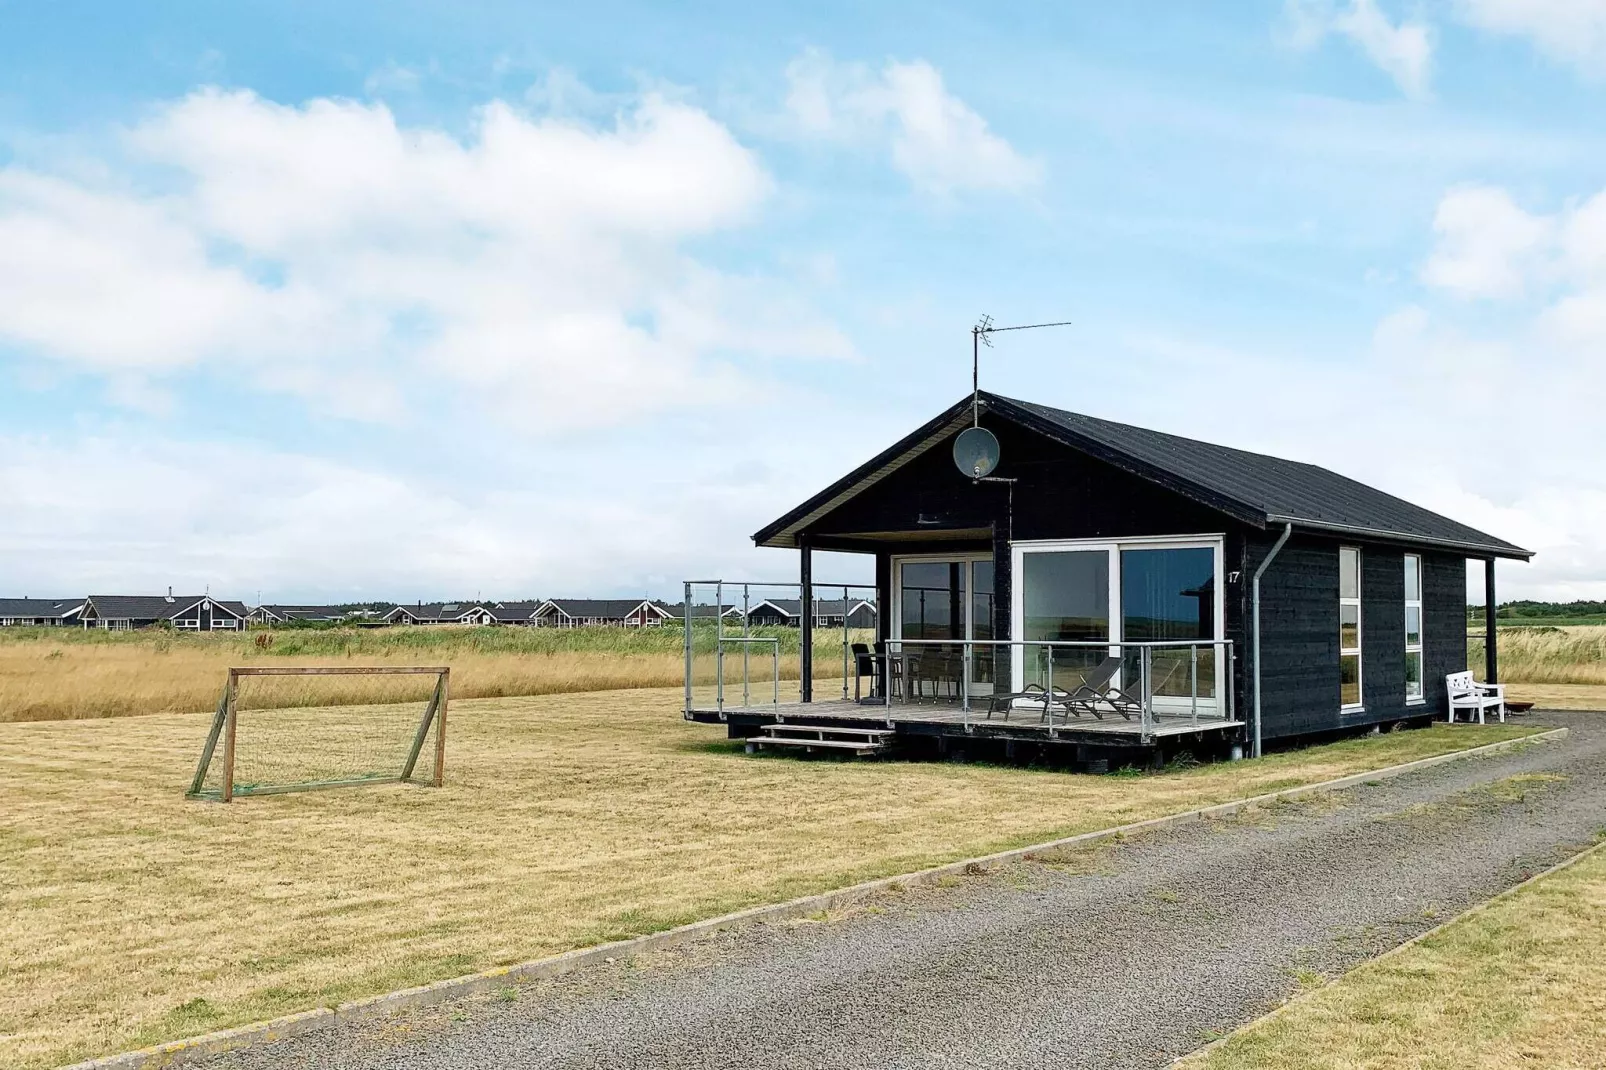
[(1145, 693), (746, 698), (886, 675), (844, 644), (1048, 693), (689, 661), (966, 650), (1231, 659), (1193, 679), (719, 649)]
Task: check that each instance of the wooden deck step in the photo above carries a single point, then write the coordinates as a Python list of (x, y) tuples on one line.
[(855, 741), (830, 730)]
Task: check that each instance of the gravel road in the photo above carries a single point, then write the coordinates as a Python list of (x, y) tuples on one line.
[(1123, 956)]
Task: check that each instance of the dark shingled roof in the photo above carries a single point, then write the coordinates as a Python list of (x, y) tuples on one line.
[(38, 607), (514, 611), (599, 608), (1253, 487), (823, 607), (155, 606), (437, 611), (310, 613)]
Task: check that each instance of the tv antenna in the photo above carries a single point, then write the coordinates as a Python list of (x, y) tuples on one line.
[(976, 450)]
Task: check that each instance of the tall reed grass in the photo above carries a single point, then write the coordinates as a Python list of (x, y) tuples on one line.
[(61, 674), (1547, 655)]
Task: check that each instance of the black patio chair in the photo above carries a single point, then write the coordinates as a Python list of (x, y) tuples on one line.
[(865, 664), (1098, 693)]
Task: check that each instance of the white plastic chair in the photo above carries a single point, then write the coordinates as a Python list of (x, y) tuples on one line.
[(1467, 694)]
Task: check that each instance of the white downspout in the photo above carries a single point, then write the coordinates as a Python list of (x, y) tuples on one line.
[(1288, 529)]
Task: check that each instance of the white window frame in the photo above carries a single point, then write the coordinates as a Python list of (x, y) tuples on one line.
[(1360, 629), (1421, 627), (966, 559), (1017, 596)]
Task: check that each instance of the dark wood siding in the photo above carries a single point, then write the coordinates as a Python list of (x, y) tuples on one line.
[(1382, 635), (1299, 635), (1299, 642), (1444, 626)]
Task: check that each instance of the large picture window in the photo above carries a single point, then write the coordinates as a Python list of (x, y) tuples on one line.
[(1413, 628), (1349, 626), (1113, 596)]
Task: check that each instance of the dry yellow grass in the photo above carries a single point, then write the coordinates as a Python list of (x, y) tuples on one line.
[(1573, 654), (130, 916), (1522, 983), (47, 679)]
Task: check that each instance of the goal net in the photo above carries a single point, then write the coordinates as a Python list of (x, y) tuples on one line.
[(299, 747)]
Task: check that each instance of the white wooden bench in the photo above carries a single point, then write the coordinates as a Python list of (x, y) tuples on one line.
[(1467, 694)]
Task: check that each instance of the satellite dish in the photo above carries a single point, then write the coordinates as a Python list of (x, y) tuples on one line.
[(976, 452)]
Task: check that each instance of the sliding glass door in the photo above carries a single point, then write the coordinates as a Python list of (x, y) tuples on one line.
[(1119, 594), (1169, 594), (944, 600), (1066, 596)]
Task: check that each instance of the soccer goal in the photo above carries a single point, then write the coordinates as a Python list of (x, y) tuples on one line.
[(271, 751)]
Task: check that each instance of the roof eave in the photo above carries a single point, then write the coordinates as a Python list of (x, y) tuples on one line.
[(1472, 549), (772, 534)]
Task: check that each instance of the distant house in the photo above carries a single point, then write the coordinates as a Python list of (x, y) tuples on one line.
[(828, 612), (192, 613), (39, 612), (279, 614), (700, 610), (581, 612), (514, 612), (441, 613)]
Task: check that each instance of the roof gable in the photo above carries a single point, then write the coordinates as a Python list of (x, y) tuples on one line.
[(1252, 488)]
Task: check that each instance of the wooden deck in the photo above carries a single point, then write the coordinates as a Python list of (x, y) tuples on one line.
[(949, 718)]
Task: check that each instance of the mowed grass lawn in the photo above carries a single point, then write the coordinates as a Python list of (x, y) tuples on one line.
[(129, 915), (1521, 983)]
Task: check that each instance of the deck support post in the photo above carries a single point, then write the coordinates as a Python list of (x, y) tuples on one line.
[(1003, 617), (805, 659), (1491, 654)]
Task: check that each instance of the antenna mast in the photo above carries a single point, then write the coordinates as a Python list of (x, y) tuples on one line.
[(981, 334)]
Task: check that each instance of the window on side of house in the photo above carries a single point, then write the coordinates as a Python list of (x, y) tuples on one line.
[(1413, 628), (1349, 627)]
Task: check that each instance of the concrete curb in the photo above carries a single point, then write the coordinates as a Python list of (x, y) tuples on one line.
[(1470, 912), (179, 1052)]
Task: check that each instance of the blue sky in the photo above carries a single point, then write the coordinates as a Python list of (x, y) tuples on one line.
[(422, 300)]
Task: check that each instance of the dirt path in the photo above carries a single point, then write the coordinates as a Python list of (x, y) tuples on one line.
[(1125, 956)]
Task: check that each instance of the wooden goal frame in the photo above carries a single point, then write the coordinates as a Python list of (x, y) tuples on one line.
[(227, 716)]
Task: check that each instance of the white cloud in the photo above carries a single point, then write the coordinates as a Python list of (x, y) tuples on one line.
[(1490, 415), (1487, 245), (534, 266), (124, 513), (1403, 50), (938, 142), (1520, 394), (1573, 31)]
